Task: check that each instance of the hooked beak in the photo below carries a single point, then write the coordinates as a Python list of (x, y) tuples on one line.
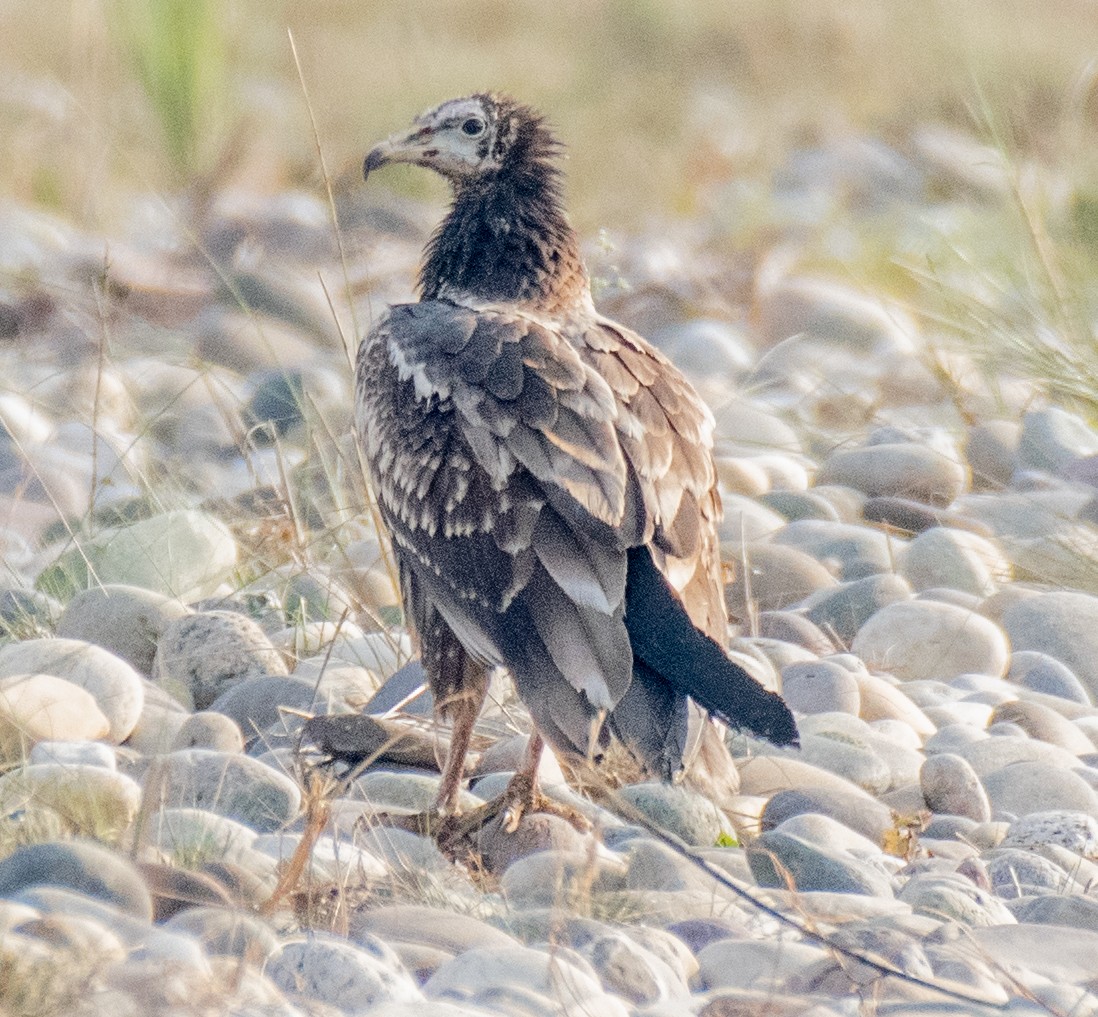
[(415, 147)]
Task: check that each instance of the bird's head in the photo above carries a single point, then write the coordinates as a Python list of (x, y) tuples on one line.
[(468, 138)]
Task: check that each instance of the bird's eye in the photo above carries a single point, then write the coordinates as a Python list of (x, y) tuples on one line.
[(472, 127)]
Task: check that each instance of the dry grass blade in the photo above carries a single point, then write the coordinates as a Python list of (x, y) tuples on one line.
[(348, 349)]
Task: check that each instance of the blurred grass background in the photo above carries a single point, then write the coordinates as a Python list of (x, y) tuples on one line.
[(100, 99)]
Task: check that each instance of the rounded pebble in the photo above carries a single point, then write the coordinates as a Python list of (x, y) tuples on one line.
[(127, 620), (928, 639), (351, 977), (229, 784), (80, 866), (820, 686), (203, 654), (38, 708), (116, 687), (951, 786)]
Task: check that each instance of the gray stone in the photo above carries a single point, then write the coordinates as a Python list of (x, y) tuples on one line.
[(843, 611), (415, 792), (745, 521), (950, 785), (943, 826), (92, 801), (851, 551), (403, 851), (1014, 873), (655, 866), (81, 866), (560, 878), (820, 686), (224, 932), (703, 347), (127, 620), (538, 831), (188, 834), (890, 701), (902, 469), (773, 576), (892, 743), (829, 834), (162, 716), (1040, 722), (501, 977), (951, 737), (351, 977), (954, 559), (1057, 909), (209, 730), (855, 762), (778, 859), (990, 754), (1063, 625), (855, 811), (1059, 953), (407, 685), (254, 702), (230, 785), (749, 964), (684, 813), (429, 926), (1076, 831), (847, 502), (837, 317), (329, 860), (41, 707), (1052, 439), (953, 898), (1023, 788), (81, 753), (794, 630), (928, 639), (315, 596), (439, 1008), (754, 427), (383, 652), (991, 451), (913, 517), (1042, 673), (800, 505), (200, 656), (185, 554), (630, 971), (116, 687)]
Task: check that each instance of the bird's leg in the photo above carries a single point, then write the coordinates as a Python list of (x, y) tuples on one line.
[(463, 711), (459, 685), (521, 797), (523, 792)]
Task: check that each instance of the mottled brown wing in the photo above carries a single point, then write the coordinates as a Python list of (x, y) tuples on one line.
[(515, 464), (666, 435)]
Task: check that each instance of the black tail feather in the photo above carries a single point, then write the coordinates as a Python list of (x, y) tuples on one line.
[(665, 639)]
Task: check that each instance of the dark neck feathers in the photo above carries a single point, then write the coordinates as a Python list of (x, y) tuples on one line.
[(506, 237)]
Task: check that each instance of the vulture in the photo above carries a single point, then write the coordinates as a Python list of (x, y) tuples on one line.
[(547, 479)]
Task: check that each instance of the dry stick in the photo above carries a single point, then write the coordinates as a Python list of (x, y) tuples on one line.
[(316, 819), (628, 811), (331, 197)]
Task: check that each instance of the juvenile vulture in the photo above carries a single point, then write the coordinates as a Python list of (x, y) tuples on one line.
[(547, 478)]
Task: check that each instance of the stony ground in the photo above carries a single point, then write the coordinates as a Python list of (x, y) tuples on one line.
[(192, 570)]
